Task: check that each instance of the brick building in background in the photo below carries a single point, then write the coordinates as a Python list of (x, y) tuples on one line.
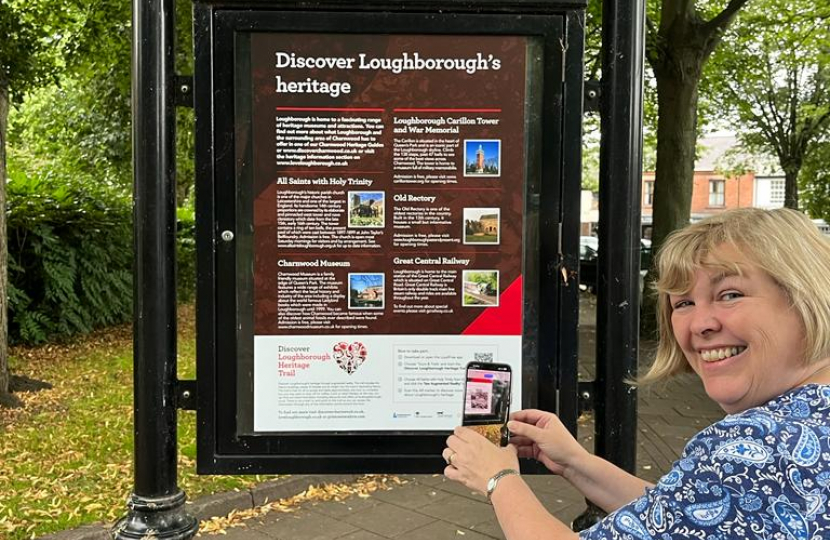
[(761, 186), (714, 192)]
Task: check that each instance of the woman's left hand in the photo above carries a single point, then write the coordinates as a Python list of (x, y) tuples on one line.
[(473, 460)]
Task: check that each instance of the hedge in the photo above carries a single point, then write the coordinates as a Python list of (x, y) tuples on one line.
[(70, 257)]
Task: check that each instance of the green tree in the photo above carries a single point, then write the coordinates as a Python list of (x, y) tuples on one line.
[(25, 61), (81, 126), (5, 395), (776, 82), (42, 41), (682, 34), (814, 180), (680, 37), (591, 123), (677, 48)]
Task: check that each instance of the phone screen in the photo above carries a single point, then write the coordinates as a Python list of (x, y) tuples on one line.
[(487, 400)]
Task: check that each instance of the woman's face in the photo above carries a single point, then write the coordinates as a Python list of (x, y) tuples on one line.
[(740, 335)]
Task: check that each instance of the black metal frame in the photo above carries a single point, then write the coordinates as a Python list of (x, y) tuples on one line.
[(618, 306), (221, 449)]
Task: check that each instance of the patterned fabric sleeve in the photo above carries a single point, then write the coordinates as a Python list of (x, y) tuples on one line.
[(762, 474)]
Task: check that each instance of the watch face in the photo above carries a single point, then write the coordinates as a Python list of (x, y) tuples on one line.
[(492, 482)]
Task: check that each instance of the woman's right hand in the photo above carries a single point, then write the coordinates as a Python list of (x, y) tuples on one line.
[(540, 435)]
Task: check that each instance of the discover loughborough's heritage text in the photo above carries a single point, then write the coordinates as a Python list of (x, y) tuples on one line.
[(388, 210)]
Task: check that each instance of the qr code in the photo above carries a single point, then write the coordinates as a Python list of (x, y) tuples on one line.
[(483, 357)]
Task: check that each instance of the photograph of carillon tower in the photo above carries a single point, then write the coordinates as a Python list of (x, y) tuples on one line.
[(482, 157)]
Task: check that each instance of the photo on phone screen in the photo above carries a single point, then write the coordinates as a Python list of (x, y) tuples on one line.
[(487, 400)]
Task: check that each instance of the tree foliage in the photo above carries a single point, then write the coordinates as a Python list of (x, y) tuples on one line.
[(591, 127), (30, 53), (5, 396), (66, 67), (25, 58), (681, 38), (814, 180), (776, 82), (70, 262), (83, 123), (80, 127)]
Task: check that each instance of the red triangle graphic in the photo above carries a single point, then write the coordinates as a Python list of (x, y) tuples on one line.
[(504, 319)]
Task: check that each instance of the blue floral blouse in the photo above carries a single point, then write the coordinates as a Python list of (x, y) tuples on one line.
[(760, 474)]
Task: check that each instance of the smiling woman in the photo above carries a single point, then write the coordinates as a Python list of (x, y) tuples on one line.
[(744, 302), (739, 333), (778, 248)]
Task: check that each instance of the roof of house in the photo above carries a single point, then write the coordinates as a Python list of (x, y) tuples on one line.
[(712, 149)]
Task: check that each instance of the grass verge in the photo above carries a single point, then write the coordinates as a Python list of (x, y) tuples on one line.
[(66, 455)]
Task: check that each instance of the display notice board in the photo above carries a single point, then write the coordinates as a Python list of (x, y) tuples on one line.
[(375, 226), (390, 225)]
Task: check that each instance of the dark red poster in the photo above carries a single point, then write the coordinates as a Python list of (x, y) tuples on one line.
[(388, 180)]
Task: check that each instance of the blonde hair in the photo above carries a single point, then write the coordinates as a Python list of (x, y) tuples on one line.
[(783, 243)]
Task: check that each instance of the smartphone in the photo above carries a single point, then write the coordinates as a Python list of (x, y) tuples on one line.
[(487, 400)]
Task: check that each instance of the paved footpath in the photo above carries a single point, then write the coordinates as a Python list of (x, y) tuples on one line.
[(429, 507)]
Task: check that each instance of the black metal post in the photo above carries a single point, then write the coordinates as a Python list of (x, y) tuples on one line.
[(156, 506), (620, 173), (621, 149)]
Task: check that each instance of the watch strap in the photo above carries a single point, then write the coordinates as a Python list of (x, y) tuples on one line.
[(494, 480)]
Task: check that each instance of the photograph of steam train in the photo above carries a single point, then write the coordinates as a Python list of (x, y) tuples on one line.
[(480, 288)]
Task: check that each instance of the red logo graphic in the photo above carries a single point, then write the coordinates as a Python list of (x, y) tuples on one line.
[(349, 357)]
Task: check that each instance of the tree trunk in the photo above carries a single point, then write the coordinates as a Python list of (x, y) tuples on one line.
[(791, 187), (6, 398), (674, 175), (677, 53), (676, 138)]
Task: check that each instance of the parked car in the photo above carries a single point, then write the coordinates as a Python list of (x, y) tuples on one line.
[(588, 247), (588, 256), (588, 253)]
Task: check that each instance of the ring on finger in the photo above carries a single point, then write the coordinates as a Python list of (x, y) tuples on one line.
[(449, 459)]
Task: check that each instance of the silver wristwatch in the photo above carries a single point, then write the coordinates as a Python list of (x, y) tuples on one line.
[(494, 480)]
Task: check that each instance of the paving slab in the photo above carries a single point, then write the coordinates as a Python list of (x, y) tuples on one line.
[(287, 486), (413, 495), (389, 520), (489, 528), (305, 524), (361, 535), (240, 533), (549, 483), (460, 511), (557, 503), (429, 479), (444, 530), (340, 509)]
